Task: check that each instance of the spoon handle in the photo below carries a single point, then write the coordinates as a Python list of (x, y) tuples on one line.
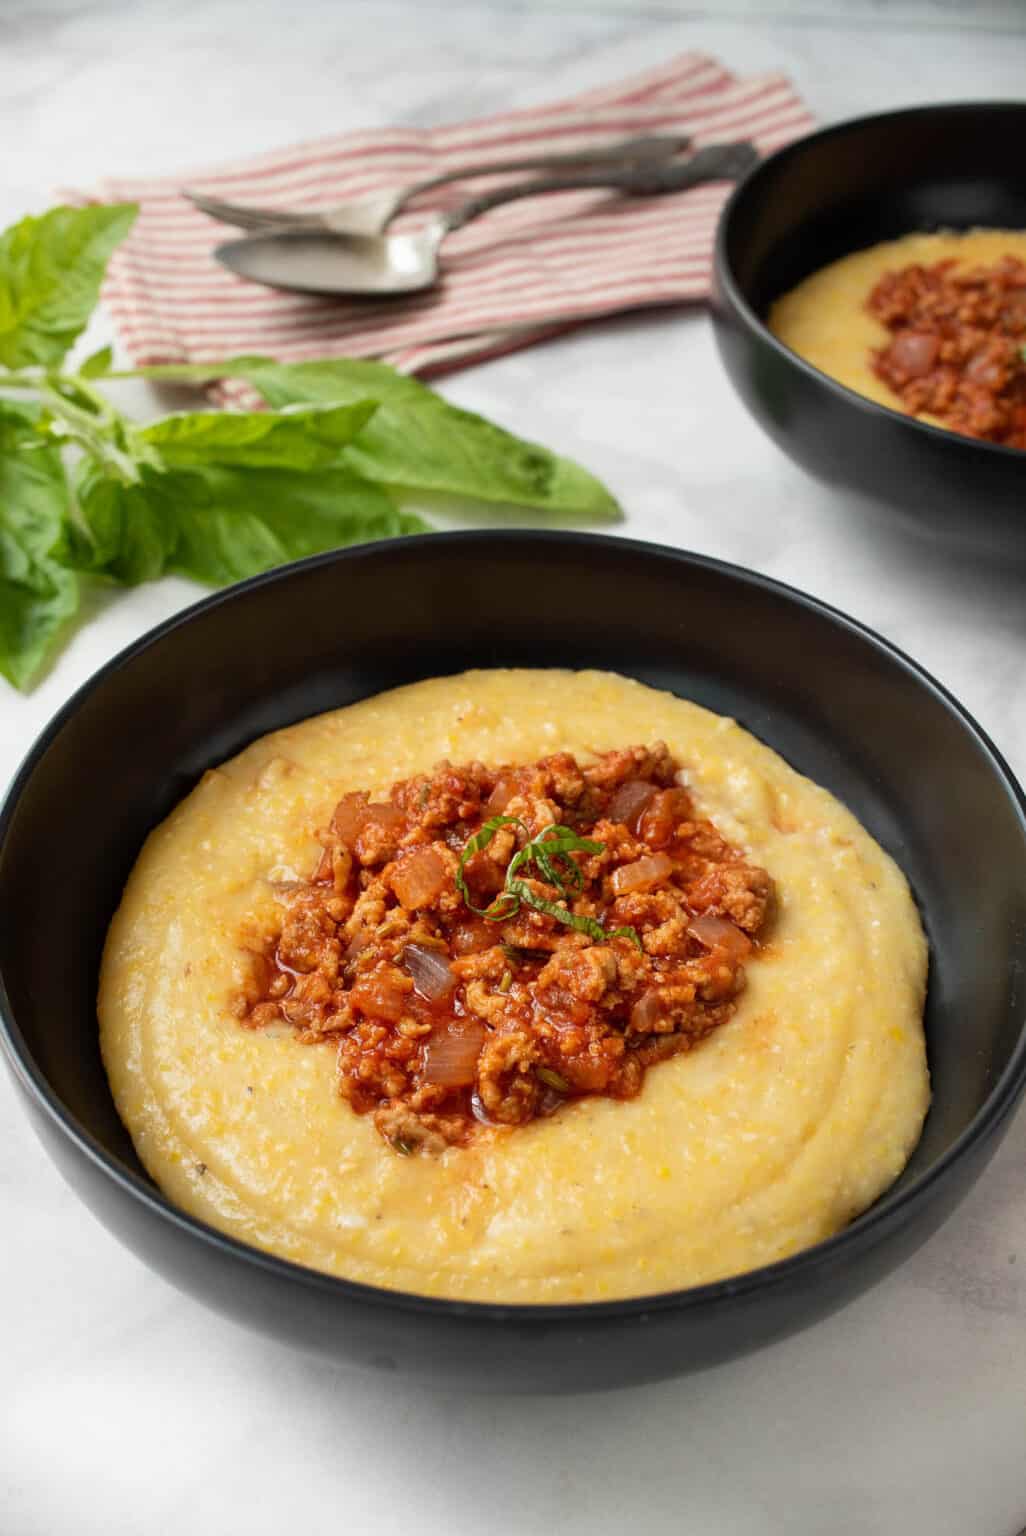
[(716, 162), (649, 146)]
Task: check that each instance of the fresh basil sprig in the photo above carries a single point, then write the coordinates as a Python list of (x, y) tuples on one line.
[(213, 495), (550, 853)]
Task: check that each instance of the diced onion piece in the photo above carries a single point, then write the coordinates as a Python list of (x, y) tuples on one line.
[(659, 821), (630, 801), (472, 936), (349, 817), (483, 876), (479, 1112), (389, 817), (647, 1012), (380, 997), (418, 878), (432, 975), (642, 875), (914, 352), (500, 797), (450, 1056), (720, 933), (986, 369), (361, 938), (353, 814)]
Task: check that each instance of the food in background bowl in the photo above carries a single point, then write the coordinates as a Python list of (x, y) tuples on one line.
[(931, 324), (692, 1071)]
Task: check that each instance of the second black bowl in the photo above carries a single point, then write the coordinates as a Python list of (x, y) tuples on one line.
[(837, 702), (837, 191)]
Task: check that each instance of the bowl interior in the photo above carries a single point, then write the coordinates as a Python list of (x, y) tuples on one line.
[(838, 704), (874, 179)]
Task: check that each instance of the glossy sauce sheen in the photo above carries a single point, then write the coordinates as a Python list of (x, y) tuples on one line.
[(771, 1134)]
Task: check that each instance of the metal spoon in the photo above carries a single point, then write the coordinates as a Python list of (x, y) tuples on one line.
[(316, 261), (372, 214)]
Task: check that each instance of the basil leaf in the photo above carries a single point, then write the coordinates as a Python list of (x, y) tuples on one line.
[(97, 363), (126, 532), (552, 844), (555, 875), (224, 523), (299, 439), (37, 595), (589, 925), (626, 933), (481, 838), (416, 441), (549, 850), (329, 379), (51, 268), (233, 523)]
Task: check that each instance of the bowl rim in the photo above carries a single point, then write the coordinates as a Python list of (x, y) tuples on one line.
[(865, 1229), (724, 269)]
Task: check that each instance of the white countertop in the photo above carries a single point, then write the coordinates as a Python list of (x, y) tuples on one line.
[(125, 1407)]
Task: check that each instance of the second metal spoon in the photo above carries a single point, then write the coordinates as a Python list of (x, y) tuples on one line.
[(320, 262), (371, 214)]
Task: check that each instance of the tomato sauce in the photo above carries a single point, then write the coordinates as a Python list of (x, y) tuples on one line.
[(956, 347), (490, 943)]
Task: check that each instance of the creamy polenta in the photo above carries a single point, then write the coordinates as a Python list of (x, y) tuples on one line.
[(826, 321), (770, 1135)]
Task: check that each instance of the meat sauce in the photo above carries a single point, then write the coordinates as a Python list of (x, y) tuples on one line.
[(446, 1020), (956, 350)]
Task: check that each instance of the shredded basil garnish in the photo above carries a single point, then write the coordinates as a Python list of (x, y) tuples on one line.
[(549, 853), (481, 840)]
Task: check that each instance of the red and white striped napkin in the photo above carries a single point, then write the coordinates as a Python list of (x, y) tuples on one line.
[(526, 271)]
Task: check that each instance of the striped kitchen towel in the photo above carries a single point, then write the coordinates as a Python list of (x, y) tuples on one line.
[(524, 272)]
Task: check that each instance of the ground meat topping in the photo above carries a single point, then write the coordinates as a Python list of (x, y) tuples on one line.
[(956, 350), (447, 1021)]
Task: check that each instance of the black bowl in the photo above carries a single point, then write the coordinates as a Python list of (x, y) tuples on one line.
[(838, 703), (837, 191)]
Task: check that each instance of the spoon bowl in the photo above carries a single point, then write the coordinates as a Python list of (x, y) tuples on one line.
[(317, 261)]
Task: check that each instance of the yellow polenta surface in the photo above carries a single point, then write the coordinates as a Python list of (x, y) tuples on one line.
[(771, 1135), (825, 320)]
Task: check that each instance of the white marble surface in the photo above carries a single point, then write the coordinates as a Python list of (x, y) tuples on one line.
[(126, 1408)]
